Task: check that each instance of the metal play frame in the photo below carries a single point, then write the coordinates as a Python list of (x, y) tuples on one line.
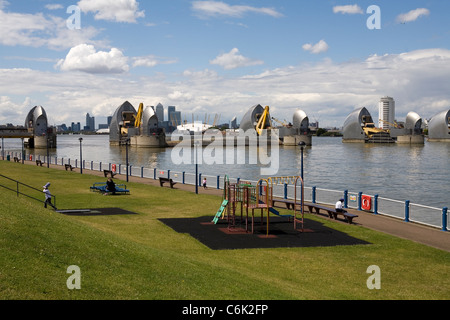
[(260, 197)]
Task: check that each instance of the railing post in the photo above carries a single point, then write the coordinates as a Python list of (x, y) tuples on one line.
[(345, 198), (407, 211), (375, 204), (444, 219), (313, 194), (359, 200)]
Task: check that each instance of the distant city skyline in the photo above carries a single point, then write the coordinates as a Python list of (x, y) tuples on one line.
[(327, 58)]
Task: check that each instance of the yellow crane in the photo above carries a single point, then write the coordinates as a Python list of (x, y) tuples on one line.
[(262, 121), (395, 124), (284, 124), (137, 122)]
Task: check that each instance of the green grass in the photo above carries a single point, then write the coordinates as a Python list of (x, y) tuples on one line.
[(138, 257)]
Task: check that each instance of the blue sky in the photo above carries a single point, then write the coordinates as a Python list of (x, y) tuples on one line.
[(222, 57)]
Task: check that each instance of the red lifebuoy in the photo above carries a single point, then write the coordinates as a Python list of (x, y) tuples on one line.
[(31, 157), (113, 168), (366, 202)]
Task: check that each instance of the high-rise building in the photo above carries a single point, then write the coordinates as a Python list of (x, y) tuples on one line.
[(90, 123), (386, 111), (170, 114), (159, 110)]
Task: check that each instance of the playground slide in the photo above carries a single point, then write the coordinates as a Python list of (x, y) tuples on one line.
[(220, 211), (272, 210)]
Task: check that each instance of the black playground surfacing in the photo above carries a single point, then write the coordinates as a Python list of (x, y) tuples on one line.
[(281, 234), (95, 212)]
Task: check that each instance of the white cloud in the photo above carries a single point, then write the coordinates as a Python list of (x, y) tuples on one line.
[(218, 8), (348, 9), (233, 60), (84, 58), (113, 10), (54, 6), (418, 81), (151, 61), (37, 30), (413, 15), (319, 47)]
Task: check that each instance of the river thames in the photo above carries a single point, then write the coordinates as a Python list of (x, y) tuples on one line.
[(419, 173)]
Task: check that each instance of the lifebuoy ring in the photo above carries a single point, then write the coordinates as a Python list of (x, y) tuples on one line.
[(366, 202), (31, 157), (113, 168)]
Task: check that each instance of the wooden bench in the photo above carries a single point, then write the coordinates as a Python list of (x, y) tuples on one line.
[(332, 213), (110, 172), (289, 204), (68, 166), (39, 163), (16, 159), (164, 180)]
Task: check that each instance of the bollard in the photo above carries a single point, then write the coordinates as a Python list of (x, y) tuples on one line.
[(285, 190), (184, 177), (218, 182)]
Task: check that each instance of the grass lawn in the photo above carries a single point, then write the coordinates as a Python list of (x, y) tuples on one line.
[(138, 257)]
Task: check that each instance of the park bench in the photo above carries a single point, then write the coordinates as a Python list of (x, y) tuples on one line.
[(68, 166), (332, 213), (164, 180), (289, 204), (101, 187), (39, 163), (110, 172)]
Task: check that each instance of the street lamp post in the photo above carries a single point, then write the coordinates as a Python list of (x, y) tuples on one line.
[(196, 167), (81, 156), (48, 154), (302, 144), (126, 148)]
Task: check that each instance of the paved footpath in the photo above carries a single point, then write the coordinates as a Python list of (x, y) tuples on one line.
[(429, 236)]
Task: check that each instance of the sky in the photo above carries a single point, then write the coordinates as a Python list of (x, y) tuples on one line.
[(324, 57)]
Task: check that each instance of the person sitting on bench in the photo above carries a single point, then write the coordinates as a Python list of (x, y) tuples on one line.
[(111, 186), (338, 206)]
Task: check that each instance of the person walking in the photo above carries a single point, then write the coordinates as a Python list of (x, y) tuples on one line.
[(48, 196), (204, 183)]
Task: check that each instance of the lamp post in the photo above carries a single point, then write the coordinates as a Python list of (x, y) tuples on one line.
[(302, 144), (196, 167), (48, 154), (126, 149), (81, 156)]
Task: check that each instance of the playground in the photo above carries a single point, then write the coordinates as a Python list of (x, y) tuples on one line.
[(247, 219), (282, 234)]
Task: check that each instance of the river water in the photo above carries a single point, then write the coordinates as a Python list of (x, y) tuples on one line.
[(419, 173)]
